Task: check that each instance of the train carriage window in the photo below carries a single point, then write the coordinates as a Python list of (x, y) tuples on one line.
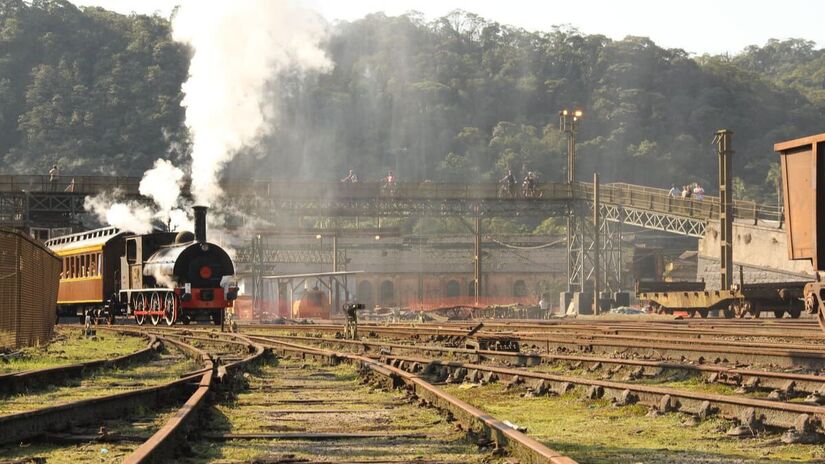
[(84, 265)]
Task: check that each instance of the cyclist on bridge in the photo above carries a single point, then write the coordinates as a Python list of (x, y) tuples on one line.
[(509, 181)]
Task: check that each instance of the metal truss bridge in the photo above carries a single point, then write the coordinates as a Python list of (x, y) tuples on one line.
[(33, 201), (594, 241)]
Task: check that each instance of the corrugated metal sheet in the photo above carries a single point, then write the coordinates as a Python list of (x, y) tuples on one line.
[(29, 277)]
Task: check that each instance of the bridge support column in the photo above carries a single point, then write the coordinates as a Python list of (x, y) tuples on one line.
[(723, 149), (597, 249), (477, 277)]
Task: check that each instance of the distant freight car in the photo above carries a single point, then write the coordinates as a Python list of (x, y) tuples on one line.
[(168, 276), (314, 304), (29, 275)]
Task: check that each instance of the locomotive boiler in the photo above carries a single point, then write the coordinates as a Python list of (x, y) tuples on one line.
[(159, 276)]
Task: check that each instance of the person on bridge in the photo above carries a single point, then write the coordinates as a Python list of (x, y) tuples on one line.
[(351, 178), (530, 185), (509, 181), (698, 192), (674, 192), (686, 192), (54, 173), (390, 179)]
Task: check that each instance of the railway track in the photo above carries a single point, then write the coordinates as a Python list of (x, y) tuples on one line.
[(777, 384), (774, 354), (50, 424), (801, 422), (221, 356), (30, 379)]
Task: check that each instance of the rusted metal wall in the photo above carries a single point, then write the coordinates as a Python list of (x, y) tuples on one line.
[(803, 181), (29, 277)]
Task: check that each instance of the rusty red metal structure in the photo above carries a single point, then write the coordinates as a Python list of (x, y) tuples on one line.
[(803, 187)]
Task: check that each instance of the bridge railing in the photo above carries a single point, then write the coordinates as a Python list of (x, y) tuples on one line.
[(627, 195), (659, 200), (79, 184), (371, 190)]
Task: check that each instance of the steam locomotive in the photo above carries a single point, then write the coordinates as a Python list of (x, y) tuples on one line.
[(168, 276)]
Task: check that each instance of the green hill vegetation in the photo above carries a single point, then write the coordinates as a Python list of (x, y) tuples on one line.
[(459, 98)]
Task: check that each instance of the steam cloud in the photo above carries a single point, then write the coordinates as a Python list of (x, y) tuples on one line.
[(240, 47), (162, 184), (125, 215)]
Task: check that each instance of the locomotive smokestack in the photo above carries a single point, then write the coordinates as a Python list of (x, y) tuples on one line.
[(200, 223)]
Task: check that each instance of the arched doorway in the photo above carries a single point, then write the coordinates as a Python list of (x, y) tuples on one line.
[(364, 293), (453, 289), (387, 296), (519, 288)]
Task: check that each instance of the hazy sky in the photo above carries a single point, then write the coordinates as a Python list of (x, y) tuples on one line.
[(698, 26)]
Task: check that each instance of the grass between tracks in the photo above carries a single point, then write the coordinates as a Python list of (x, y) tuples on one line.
[(267, 408), (70, 346), (165, 367), (141, 425), (596, 432)]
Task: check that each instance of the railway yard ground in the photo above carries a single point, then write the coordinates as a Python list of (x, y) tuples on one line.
[(588, 390)]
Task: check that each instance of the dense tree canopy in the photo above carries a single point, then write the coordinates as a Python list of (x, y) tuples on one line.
[(459, 98), (95, 91)]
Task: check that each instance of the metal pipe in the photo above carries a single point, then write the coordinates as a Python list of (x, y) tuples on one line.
[(200, 223)]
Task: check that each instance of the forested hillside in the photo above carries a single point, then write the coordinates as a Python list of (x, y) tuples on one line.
[(458, 98)]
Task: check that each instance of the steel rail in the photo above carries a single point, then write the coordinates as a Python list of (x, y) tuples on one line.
[(781, 355), (526, 449), (778, 414), (162, 443), (675, 335), (26, 380), (785, 384), (754, 413), (29, 424)]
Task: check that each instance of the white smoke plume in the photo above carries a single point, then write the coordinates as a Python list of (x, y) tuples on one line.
[(128, 216), (162, 184), (240, 47)]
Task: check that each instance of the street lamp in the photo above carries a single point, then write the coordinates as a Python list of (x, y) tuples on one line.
[(569, 124)]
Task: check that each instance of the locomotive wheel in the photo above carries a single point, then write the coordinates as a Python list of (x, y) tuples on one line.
[(155, 305), (170, 308), (139, 304), (691, 312), (778, 313), (217, 316), (185, 319)]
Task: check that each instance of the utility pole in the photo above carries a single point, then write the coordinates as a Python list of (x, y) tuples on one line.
[(569, 124), (723, 149), (596, 245)]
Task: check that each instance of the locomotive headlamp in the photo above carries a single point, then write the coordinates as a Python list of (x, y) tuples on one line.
[(205, 272)]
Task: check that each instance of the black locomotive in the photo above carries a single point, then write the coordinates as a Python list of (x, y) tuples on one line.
[(157, 276)]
